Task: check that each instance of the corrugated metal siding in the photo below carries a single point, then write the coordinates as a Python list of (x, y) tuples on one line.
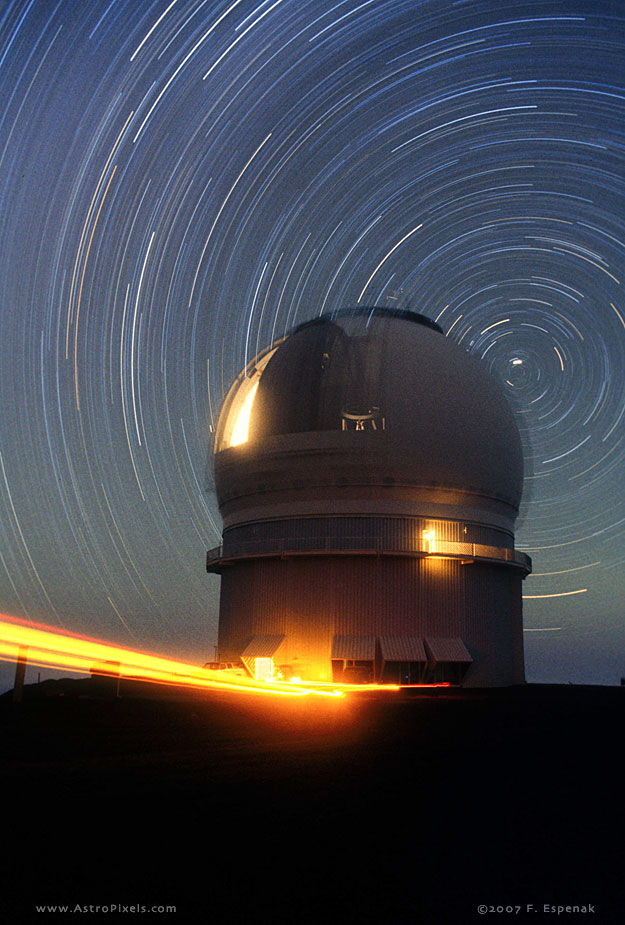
[(447, 650), (441, 602), (493, 628), (402, 649), (349, 596), (353, 647), (312, 600), (396, 597)]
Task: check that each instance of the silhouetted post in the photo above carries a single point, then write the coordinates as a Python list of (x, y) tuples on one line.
[(20, 671)]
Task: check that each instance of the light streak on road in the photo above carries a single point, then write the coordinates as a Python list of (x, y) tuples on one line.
[(51, 649)]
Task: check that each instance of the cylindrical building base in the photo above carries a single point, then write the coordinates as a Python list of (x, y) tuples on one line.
[(318, 616)]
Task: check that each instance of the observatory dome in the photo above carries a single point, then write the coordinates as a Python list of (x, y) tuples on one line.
[(369, 474), (368, 410)]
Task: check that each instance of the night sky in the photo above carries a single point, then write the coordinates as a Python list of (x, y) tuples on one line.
[(182, 182)]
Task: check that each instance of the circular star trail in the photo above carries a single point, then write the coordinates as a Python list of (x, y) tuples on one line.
[(183, 181)]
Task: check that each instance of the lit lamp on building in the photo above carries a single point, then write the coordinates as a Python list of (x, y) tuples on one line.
[(369, 474)]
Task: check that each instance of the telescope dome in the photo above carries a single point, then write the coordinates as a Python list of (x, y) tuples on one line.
[(378, 395), (369, 471)]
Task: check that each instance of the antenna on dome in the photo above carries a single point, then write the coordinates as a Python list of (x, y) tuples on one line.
[(396, 298)]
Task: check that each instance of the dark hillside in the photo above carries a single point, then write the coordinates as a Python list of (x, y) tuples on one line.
[(242, 809)]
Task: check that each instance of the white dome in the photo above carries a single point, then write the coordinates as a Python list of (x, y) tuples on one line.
[(377, 396), (369, 472)]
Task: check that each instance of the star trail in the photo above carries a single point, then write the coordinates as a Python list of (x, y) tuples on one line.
[(182, 182)]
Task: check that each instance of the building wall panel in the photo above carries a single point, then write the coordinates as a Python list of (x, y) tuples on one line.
[(493, 628), (312, 600)]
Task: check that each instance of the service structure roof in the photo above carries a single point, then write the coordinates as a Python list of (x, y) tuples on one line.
[(354, 647), (446, 649), (403, 649), (264, 646)]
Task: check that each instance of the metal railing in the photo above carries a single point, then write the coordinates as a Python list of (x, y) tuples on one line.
[(358, 545)]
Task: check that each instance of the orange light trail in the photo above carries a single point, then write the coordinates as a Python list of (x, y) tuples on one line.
[(51, 649)]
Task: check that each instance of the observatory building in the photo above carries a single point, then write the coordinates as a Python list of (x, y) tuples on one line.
[(369, 474)]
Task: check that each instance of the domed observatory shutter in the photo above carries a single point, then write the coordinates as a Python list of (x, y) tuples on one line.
[(302, 388), (363, 390)]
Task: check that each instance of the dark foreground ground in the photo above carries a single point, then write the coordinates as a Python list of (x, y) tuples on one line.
[(235, 808)]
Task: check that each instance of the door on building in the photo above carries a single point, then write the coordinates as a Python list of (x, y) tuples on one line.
[(352, 671), (403, 672), (263, 669)]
